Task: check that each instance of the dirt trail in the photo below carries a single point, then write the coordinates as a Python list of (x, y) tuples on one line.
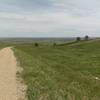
[(8, 69)]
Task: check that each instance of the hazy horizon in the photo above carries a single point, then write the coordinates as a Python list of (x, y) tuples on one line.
[(49, 18)]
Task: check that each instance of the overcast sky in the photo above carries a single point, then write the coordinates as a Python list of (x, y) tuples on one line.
[(49, 18)]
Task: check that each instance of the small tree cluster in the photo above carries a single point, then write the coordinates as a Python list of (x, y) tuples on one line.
[(78, 38), (36, 44), (54, 44), (85, 38)]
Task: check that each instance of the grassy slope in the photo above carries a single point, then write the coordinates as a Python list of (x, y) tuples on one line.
[(61, 73)]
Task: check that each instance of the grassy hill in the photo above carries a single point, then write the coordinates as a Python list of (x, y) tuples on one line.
[(66, 72)]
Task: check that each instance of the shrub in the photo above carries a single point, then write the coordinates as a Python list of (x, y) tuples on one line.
[(36, 44), (86, 37), (78, 39), (54, 44)]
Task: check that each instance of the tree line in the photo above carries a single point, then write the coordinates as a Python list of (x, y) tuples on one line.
[(85, 38), (77, 39)]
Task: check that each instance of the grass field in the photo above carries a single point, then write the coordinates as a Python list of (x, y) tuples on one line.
[(66, 72)]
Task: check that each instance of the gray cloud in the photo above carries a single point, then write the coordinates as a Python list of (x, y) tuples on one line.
[(49, 17)]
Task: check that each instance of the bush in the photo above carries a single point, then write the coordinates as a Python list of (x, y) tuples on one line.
[(36, 44), (54, 44), (86, 37), (78, 39)]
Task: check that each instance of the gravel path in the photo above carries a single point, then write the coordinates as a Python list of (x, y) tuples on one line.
[(8, 69)]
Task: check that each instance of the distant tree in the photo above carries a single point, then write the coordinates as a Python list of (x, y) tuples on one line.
[(86, 37), (78, 39), (36, 44)]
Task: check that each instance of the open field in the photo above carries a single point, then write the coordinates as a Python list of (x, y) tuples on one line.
[(65, 72), (70, 71)]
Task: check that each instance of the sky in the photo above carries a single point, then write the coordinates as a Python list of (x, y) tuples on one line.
[(49, 18)]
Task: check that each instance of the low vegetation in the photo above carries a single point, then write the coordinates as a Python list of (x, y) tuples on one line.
[(36, 44), (67, 72)]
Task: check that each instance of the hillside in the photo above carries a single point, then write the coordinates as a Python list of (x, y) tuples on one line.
[(67, 72)]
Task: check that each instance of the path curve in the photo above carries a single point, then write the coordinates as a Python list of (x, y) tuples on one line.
[(8, 69)]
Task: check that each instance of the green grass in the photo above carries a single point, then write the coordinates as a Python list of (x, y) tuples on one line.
[(65, 72)]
